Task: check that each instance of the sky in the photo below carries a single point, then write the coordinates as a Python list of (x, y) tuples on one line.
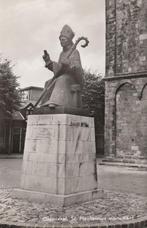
[(27, 27)]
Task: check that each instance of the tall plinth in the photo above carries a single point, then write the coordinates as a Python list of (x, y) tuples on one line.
[(59, 162)]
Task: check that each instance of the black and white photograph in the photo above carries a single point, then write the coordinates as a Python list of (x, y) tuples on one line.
[(73, 113)]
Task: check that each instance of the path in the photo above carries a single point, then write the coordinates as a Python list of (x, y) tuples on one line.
[(121, 179)]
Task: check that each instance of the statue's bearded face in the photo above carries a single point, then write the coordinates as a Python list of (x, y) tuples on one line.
[(64, 41)]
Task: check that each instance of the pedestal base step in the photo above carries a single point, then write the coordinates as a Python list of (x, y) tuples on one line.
[(58, 200), (140, 163)]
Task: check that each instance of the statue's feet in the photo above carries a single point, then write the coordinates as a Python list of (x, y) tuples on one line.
[(52, 105)]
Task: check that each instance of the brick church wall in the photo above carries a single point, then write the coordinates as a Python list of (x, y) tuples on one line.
[(126, 78), (126, 117), (126, 36)]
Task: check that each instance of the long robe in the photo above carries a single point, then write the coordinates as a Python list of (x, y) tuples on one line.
[(66, 76)]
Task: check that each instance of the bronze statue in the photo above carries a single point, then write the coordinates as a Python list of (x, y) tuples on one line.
[(64, 89)]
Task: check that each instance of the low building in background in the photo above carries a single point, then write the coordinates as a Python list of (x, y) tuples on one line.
[(13, 127), (12, 133), (29, 96)]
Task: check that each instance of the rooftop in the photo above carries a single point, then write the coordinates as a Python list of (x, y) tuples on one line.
[(32, 87)]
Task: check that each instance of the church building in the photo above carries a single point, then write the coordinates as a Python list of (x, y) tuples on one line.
[(126, 79)]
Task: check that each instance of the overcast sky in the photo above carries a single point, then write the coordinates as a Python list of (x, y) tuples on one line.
[(27, 27)]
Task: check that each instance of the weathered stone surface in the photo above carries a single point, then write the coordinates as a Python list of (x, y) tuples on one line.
[(126, 78), (126, 45), (60, 156), (125, 117)]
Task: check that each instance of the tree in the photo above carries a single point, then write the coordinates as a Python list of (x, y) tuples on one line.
[(9, 94), (94, 99), (93, 92)]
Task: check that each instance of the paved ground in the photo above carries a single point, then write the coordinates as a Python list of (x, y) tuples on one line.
[(119, 179), (113, 207), (10, 172), (109, 208), (123, 179)]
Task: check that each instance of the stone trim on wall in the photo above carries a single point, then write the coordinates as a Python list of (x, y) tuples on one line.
[(127, 76)]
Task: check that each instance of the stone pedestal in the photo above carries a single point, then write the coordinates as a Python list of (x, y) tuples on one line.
[(59, 163)]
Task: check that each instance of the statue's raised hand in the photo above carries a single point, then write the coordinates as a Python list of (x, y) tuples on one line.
[(46, 57)]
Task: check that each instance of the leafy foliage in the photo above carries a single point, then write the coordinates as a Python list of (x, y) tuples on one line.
[(9, 94), (93, 92), (93, 99)]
